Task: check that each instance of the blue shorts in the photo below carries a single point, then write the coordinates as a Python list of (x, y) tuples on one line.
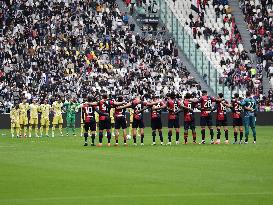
[(249, 121)]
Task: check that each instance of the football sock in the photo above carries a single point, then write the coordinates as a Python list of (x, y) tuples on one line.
[(170, 136), (235, 136), (194, 135), (254, 133), (160, 136), (100, 137), (203, 132), (30, 130), (41, 130), (108, 136), (241, 136), (67, 128), (124, 140), (211, 134), (17, 131), (81, 129), (36, 129), (53, 128), (142, 138), (85, 136), (93, 138), (134, 137), (153, 134), (186, 137), (246, 133), (226, 134), (218, 133), (46, 130), (130, 129), (177, 136), (61, 128), (25, 130), (116, 141), (73, 129), (12, 130)]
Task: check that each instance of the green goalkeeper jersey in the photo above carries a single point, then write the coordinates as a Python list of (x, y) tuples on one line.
[(71, 108)]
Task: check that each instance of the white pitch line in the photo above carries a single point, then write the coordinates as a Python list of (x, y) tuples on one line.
[(140, 196), (3, 146)]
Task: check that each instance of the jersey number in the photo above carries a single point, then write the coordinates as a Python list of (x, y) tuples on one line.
[(89, 110), (207, 104)]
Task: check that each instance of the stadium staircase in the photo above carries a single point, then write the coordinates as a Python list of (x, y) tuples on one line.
[(242, 27), (190, 67)]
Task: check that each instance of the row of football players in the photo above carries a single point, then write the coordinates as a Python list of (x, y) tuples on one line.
[(20, 122), (206, 104)]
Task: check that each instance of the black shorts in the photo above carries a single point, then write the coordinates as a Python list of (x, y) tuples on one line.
[(156, 124), (206, 121), (173, 123), (90, 125), (221, 123), (105, 124), (138, 123), (237, 122), (120, 122), (189, 125)]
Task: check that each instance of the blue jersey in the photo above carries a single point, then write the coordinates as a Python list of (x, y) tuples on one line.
[(249, 103)]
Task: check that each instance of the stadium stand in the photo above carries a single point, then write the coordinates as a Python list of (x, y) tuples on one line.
[(213, 28), (56, 47), (258, 15)]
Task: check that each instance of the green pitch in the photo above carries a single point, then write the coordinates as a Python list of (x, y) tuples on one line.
[(61, 171)]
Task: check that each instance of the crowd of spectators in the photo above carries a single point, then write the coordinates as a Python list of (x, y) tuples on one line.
[(225, 39), (76, 47), (259, 16)]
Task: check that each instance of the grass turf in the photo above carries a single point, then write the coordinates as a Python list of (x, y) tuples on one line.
[(61, 171)]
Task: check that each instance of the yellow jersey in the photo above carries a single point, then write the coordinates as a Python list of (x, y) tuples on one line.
[(57, 108), (112, 115), (45, 109), (23, 108), (14, 115), (33, 108)]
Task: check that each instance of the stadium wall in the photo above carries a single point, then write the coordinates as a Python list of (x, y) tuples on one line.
[(263, 119)]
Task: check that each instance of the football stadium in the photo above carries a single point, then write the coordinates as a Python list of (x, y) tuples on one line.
[(136, 102)]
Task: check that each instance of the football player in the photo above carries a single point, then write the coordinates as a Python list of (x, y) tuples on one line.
[(173, 105), (221, 118), (120, 122), (57, 118), (23, 108), (206, 105), (33, 121), (156, 122), (45, 109), (189, 119), (249, 105), (71, 106), (14, 120), (89, 109)]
